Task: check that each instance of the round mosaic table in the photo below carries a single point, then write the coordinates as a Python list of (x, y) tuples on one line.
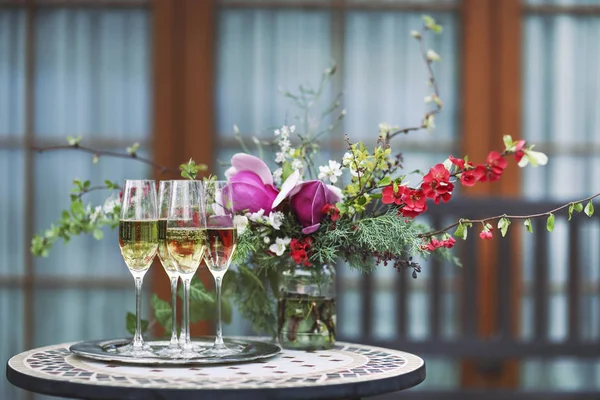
[(348, 371)]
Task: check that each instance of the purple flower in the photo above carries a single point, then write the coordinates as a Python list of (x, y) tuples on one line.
[(307, 201), (251, 181)]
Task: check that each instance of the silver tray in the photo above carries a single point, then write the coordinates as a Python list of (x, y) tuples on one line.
[(106, 350)]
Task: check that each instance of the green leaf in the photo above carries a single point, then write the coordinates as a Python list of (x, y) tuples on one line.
[(386, 181), (87, 184), (503, 224), (111, 185), (527, 224), (461, 232), (571, 208), (550, 223), (508, 141), (130, 323), (578, 207), (77, 208), (589, 209), (162, 312), (98, 234)]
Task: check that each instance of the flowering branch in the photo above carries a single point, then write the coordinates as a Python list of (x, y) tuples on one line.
[(574, 206), (429, 57)]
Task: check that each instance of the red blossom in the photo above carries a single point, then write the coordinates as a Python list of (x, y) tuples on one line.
[(472, 176), (436, 184), (459, 162), (496, 164), (390, 196), (449, 243), (299, 250), (436, 244), (487, 233), (332, 211), (519, 152), (414, 201)]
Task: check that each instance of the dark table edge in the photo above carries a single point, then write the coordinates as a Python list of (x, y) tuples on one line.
[(102, 392)]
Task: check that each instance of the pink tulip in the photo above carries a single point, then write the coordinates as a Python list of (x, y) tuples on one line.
[(307, 201), (251, 181)]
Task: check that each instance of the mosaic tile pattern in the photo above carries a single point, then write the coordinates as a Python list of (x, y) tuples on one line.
[(343, 364)]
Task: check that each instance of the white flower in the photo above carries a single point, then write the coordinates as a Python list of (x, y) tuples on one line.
[(285, 145), (332, 171), (276, 219), (110, 204), (534, 157), (240, 222), (277, 176), (279, 157), (347, 159), (292, 128), (297, 164), (257, 216), (279, 246), (96, 214), (277, 132), (350, 162), (267, 239)]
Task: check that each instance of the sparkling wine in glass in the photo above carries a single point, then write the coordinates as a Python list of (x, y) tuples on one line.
[(186, 243), (169, 264), (138, 240), (221, 241)]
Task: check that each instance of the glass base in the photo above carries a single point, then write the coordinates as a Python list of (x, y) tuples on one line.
[(170, 351), (222, 350), (130, 351)]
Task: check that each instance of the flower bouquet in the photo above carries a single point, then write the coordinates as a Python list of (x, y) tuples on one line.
[(297, 220)]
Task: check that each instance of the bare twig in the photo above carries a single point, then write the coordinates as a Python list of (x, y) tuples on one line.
[(133, 155)]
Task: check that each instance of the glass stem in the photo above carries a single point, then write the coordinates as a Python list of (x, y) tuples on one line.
[(187, 344), (219, 337), (174, 342), (138, 342)]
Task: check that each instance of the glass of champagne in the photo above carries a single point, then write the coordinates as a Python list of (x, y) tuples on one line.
[(138, 240), (168, 263), (221, 242), (186, 243)]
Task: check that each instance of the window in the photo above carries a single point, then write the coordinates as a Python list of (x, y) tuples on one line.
[(66, 69)]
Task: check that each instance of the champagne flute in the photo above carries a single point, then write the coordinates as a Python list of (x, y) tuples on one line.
[(169, 264), (221, 243), (138, 240), (186, 243)]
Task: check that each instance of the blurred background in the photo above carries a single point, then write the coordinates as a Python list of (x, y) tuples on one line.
[(521, 319)]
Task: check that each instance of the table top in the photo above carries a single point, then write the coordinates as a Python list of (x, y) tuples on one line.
[(347, 371)]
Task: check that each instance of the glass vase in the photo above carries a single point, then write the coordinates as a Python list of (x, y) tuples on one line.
[(306, 317)]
